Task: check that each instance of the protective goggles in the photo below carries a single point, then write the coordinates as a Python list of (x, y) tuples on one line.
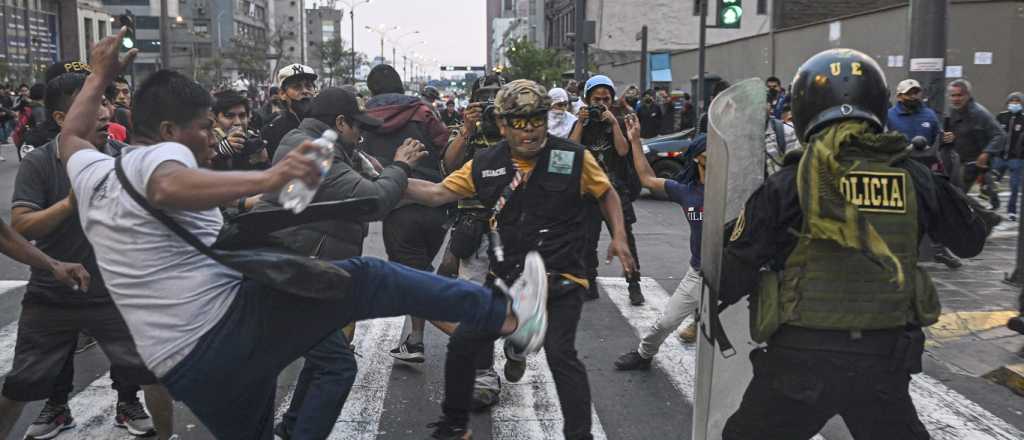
[(519, 122)]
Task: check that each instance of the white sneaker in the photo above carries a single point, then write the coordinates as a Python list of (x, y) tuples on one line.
[(529, 295)]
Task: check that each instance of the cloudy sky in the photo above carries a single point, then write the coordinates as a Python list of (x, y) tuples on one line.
[(454, 30)]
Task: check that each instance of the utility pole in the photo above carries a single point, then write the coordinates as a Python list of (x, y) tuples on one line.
[(643, 58), (580, 47), (165, 37), (699, 93), (352, 20), (929, 23)]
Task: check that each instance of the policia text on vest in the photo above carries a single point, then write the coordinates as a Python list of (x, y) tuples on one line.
[(875, 192)]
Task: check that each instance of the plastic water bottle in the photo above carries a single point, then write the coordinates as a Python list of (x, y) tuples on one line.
[(296, 195)]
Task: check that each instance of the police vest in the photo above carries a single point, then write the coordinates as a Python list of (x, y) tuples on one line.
[(545, 213), (830, 287)]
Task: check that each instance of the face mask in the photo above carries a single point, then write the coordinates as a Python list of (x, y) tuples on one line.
[(301, 107), (556, 115), (912, 104), (1015, 108), (772, 94)]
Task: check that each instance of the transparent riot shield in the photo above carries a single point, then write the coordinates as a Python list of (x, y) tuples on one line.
[(735, 168)]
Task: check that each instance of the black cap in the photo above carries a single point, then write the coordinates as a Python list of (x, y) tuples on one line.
[(334, 101), (69, 66), (384, 79)]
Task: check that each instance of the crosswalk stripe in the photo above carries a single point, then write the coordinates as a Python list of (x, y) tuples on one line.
[(947, 414), (360, 417), (529, 409)]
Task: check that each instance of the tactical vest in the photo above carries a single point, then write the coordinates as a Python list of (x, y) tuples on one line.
[(545, 213), (829, 287), (474, 145)]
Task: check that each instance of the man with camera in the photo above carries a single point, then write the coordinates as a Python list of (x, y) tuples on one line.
[(238, 147), (469, 242), (599, 129)]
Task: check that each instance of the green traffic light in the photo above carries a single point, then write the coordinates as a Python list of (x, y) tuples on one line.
[(732, 14), (128, 43)]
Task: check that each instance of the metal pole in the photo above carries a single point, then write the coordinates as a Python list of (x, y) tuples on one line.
[(1017, 278), (165, 37), (580, 46), (643, 58), (352, 19), (929, 23), (394, 56), (699, 93), (382, 59)]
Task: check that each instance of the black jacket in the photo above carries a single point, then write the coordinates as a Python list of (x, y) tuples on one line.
[(1013, 125), (274, 131), (976, 131), (346, 179)]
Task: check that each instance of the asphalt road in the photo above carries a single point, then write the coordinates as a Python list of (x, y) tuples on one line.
[(392, 400)]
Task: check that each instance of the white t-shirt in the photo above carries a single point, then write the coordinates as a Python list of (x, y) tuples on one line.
[(168, 292)]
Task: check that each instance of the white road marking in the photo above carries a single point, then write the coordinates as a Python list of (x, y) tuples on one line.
[(360, 418), (947, 414), (9, 332), (529, 409)]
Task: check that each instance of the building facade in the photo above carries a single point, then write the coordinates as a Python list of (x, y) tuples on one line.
[(323, 25), (29, 39), (511, 20), (288, 42)]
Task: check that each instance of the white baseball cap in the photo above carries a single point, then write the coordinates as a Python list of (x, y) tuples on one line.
[(907, 85), (297, 71), (558, 95)]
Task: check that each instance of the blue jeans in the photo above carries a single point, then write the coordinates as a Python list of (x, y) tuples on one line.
[(1014, 166), (321, 390), (228, 380)]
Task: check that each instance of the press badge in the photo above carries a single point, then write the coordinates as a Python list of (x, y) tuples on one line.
[(561, 161), (875, 192)]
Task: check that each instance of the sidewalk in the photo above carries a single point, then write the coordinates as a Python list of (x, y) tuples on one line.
[(971, 336)]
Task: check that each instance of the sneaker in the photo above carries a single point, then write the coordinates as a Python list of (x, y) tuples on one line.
[(636, 297), (409, 352), (689, 333), (632, 361), (133, 417), (85, 342), (52, 420), (1012, 217), (591, 293), (943, 256), (445, 430), (515, 364), (281, 433), (992, 196), (529, 296), (1016, 324)]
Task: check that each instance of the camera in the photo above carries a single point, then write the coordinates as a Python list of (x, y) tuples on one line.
[(595, 112)]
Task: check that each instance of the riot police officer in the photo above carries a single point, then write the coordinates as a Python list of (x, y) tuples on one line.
[(841, 304)]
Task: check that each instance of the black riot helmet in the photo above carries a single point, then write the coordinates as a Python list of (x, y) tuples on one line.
[(838, 84)]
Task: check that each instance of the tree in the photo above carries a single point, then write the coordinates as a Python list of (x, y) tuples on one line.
[(528, 61), (250, 56), (336, 59)]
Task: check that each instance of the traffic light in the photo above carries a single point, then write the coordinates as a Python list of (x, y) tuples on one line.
[(730, 13), (127, 20)]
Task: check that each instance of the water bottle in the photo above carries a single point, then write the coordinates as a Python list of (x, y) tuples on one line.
[(296, 195)]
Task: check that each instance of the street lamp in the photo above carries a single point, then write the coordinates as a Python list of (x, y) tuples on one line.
[(383, 31), (405, 58), (394, 44), (352, 4)]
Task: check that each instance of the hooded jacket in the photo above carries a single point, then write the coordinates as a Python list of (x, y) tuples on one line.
[(338, 239), (406, 117)]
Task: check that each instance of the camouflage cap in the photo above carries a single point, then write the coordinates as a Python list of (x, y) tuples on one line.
[(522, 97)]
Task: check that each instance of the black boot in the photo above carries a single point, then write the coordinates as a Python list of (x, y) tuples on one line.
[(636, 297), (945, 257)]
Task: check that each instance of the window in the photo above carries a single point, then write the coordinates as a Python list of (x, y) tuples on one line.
[(103, 28), (88, 33), (200, 28), (762, 7), (696, 7), (291, 18)]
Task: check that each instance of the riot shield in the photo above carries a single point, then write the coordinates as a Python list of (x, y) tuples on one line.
[(735, 168)]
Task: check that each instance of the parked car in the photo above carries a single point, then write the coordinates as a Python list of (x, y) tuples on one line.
[(665, 152)]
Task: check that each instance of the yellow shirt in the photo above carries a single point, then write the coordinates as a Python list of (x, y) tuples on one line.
[(593, 182)]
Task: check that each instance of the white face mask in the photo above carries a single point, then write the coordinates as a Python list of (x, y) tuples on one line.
[(1014, 107), (555, 115)]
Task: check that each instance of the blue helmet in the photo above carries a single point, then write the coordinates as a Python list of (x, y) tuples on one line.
[(597, 81)]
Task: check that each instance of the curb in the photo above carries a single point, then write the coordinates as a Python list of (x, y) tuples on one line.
[(1010, 376)]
